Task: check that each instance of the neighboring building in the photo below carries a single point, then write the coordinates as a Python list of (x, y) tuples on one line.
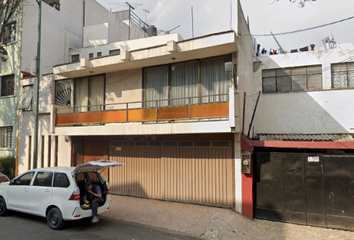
[(169, 108), (302, 138), (65, 23)]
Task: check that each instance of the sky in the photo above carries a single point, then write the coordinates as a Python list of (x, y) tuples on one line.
[(265, 16)]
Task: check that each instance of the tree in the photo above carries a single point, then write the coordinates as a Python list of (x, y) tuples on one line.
[(8, 8), (300, 2)]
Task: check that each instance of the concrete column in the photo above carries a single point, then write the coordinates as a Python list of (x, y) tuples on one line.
[(238, 174)]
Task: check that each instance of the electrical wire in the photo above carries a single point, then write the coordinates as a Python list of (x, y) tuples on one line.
[(301, 30)]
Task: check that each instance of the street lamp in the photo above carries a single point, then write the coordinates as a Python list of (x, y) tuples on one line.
[(35, 147)]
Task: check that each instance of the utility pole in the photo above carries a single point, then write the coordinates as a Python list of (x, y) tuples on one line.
[(35, 147), (192, 22)]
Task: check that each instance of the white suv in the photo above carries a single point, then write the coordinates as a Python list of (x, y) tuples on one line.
[(55, 193)]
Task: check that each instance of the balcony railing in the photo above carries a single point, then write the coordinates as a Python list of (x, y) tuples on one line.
[(208, 107)]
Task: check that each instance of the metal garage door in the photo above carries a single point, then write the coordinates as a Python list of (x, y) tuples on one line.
[(178, 171), (305, 188)]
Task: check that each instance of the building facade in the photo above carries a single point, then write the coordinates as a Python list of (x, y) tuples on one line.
[(64, 24), (169, 108), (302, 138)]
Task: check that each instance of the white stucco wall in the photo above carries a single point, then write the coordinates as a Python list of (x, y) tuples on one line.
[(308, 112), (123, 87), (26, 129), (126, 45)]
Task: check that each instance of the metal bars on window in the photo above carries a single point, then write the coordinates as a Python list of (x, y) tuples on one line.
[(5, 137), (343, 75)]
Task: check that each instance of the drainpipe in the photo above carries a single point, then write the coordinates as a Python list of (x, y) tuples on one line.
[(35, 145)]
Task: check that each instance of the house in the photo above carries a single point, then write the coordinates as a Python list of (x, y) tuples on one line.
[(302, 138), (167, 107), (64, 25)]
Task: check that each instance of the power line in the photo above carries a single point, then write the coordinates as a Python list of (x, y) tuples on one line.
[(302, 30)]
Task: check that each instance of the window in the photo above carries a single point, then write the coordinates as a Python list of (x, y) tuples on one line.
[(292, 79), (9, 35), (99, 54), (24, 179), (7, 85), (25, 101), (89, 93), (63, 93), (43, 179), (90, 55), (201, 81), (61, 180), (5, 137), (75, 58), (343, 75), (114, 51)]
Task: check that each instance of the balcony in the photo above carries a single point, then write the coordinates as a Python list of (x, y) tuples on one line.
[(191, 109)]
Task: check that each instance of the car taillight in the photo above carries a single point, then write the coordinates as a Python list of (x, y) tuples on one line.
[(108, 189), (7, 180), (75, 196)]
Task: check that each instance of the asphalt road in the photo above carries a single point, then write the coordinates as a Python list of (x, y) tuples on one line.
[(22, 226)]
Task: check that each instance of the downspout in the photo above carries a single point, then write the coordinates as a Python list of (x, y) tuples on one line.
[(17, 91)]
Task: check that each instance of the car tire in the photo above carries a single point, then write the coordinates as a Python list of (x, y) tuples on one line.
[(3, 208), (55, 219)]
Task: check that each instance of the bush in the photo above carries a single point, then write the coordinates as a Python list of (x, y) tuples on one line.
[(7, 166)]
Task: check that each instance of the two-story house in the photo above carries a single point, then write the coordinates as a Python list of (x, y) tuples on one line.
[(302, 138), (167, 107)]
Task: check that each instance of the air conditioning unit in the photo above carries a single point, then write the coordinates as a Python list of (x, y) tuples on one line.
[(246, 163)]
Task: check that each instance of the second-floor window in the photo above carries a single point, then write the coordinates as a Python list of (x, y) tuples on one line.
[(292, 79), (343, 75), (89, 93), (25, 99), (9, 35), (199, 81), (7, 85)]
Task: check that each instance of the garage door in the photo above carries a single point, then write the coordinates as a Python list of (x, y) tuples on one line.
[(305, 188), (195, 172)]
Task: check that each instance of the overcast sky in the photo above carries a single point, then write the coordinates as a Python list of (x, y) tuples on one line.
[(212, 16)]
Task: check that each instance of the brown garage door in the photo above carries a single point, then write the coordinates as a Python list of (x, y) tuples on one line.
[(196, 172)]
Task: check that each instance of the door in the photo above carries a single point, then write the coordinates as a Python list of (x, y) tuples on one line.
[(305, 188), (279, 191), (18, 191), (40, 194), (187, 171)]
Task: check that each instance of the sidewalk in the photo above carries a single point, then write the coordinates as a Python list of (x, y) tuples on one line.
[(211, 222)]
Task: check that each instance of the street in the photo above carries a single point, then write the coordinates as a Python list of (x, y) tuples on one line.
[(23, 226)]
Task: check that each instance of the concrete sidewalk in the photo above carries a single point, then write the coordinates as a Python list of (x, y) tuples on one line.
[(211, 222)]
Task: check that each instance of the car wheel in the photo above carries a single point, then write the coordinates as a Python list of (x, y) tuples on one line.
[(55, 219), (3, 208)]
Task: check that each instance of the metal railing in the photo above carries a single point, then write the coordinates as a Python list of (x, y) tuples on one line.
[(163, 109)]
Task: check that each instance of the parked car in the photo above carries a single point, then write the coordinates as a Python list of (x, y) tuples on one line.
[(3, 178), (55, 193)]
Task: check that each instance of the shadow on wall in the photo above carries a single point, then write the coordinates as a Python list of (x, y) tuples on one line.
[(302, 112), (133, 189)]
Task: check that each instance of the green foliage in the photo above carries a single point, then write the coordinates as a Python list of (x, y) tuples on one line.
[(7, 166)]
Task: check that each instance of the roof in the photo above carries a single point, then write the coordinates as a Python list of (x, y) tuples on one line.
[(57, 169), (307, 137)]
